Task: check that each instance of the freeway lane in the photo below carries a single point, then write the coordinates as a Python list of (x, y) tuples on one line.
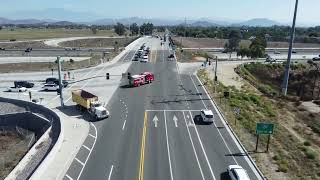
[(153, 132)]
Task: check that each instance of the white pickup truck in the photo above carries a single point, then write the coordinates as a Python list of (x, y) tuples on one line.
[(17, 89)]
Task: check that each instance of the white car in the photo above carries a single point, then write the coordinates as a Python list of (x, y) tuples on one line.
[(236, 172), (17, 89), (206, 115), (145, 58), (50, 87)]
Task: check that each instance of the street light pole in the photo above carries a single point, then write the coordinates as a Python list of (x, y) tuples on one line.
[(287, 71)]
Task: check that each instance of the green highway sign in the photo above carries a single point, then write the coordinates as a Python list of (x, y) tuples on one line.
[(264, 128)]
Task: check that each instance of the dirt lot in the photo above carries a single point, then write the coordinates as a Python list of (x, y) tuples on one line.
[(12, 149), (47, 66), (27, 34), (99, 42), (219, 43), (24, 45)]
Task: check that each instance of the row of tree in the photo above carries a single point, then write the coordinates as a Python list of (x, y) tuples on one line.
[(255, 50), (135, 29), (275, 33)]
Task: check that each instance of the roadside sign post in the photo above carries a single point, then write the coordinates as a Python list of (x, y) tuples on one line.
[(30, 96), (226, 95), (264, 128), (237, 113), (52, 71)]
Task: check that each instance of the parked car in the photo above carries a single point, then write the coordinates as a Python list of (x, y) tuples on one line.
[(135, 58), (25, 84), (236, 172), (68, 49), (56, 81), (145, 58), (316, 58), (28, 50), (294, 52), (2, 49), (50, 87), (270, 59), (17, 89), (277, 52)]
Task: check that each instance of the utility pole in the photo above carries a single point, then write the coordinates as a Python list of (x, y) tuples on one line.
[(60, 82), (185, 30), (287, 70), (215, 70)]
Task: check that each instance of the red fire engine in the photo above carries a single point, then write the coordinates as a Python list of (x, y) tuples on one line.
[(141, 79)]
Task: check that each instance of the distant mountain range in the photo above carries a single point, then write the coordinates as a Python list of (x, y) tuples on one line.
[(262, 22), (54, 15)]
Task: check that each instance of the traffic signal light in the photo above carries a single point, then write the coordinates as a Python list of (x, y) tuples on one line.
[(129, 75), (107, 76)]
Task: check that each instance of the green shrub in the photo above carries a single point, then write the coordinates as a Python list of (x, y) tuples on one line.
[(307, 143), (283, 167), (276, 157), (310, 154), (255, 99)]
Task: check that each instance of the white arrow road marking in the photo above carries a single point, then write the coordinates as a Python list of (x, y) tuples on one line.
[(188, 116), (155, 121), (175, 119)]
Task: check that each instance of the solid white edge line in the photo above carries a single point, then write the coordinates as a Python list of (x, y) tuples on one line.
[(194, 149), (95, 139), (168, 147), (198, 91), (202, 147), (241, 148), (124, 124), (69, 177), (110, 172)]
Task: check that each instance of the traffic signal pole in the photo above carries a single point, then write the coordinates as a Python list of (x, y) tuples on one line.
[(60, 81)]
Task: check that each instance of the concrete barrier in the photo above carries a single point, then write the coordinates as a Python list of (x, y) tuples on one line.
[(39, 119)]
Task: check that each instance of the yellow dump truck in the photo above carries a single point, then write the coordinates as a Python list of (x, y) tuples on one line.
[(90, 102)]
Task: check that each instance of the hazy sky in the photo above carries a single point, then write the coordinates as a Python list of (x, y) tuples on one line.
[(279, 10)]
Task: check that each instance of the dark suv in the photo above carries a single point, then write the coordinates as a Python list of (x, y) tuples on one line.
[(56, 81), (25, 84)]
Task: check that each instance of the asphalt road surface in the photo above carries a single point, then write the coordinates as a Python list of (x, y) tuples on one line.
[(155, 132)]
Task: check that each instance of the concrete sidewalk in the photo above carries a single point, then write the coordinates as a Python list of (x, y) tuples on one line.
[(73, 132)]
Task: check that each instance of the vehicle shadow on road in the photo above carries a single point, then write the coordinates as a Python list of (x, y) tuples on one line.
[(236, 154), (199, 121), (73, 111), (225, 176), (127, 86)]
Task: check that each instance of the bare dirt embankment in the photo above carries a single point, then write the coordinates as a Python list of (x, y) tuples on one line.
[(295, 145), (99, 42), (219, 43)]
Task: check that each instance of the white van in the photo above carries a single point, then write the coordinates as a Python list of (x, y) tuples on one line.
[(206, 115)]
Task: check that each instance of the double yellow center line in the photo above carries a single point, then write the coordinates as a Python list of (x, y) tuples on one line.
[(143, 143)]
